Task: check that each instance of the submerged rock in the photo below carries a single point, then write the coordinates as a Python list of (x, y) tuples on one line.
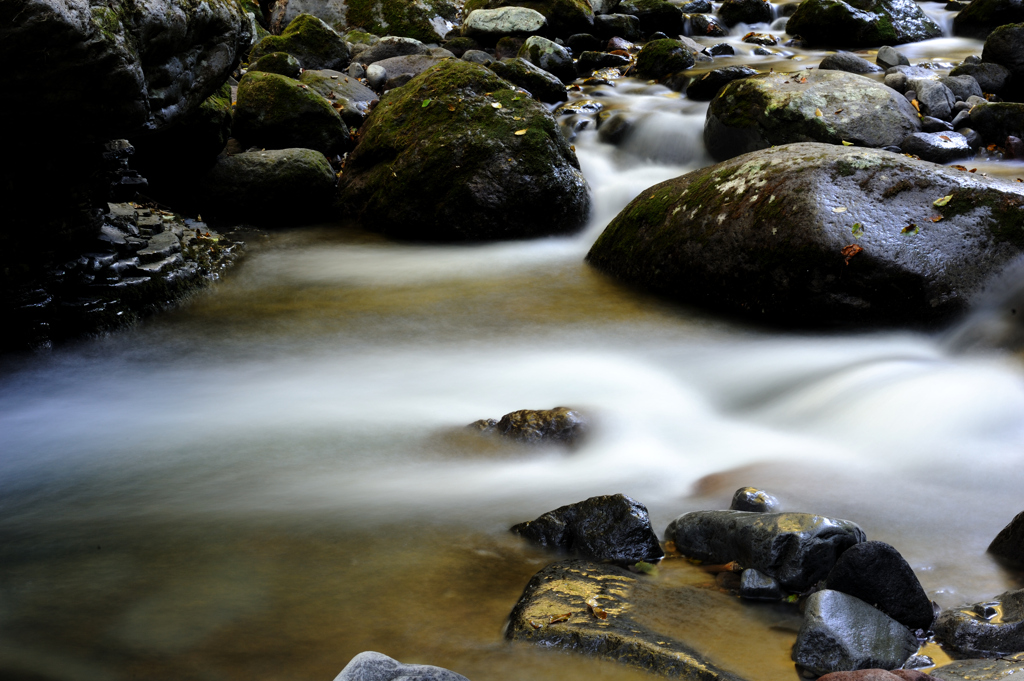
[(843, 633), (610, 528), (877, 574), (862, 23), (371, 666), (817, 234), (555, 611), (458, 154), (771, 109), (560, 425), (797, 549), (993, 627), (753, 499)]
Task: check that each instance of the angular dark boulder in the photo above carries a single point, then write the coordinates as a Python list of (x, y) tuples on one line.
[(797, 549), (771, 109), (994, 627), (733, 12), (371, 666), (757, 586), (459, 154), (877, 574), (816, 234), (861, 23), (937, 147), (1008, 545), (611, 528), (843, 633), (556, 611), (851, 63)]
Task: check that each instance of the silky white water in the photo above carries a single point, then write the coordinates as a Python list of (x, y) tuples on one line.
[(274, 477)]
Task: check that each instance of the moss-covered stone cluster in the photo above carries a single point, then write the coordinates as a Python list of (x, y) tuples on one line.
[(424, 20), (861, 23), (315, 44), (661, 58), (460, 154)]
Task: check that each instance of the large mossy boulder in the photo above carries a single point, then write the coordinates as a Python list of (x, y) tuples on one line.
[(315, 44), (796, 549), (277, 112), (980, 17), (271, 187), (124, 66), (426, 20), (458, 154), (661, 58), (816, 234), (770, 109), (861, 23), (565, 17)]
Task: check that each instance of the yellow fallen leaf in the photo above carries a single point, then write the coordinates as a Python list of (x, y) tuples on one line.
[(943, 201), (496, 105), (521, 132), (847, 144), (817, 112)]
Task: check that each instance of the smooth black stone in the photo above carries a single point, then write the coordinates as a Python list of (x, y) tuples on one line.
[(753, 499), (992, 627)]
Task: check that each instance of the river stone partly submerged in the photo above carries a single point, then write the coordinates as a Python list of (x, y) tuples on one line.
[(611, 528), (996, 626), (819, 234), (770, 109), (553, 612), (861, 23), (981, 670), (797, 549), (371, 666), (458, 154), (561, 425)]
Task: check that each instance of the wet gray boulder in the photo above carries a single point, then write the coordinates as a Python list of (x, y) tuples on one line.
[(816, 234), (543, 85), (459, 154), (754, 500), (843, 633), (797, 549), (861, 23), (981, 17), (391, 46), (124, 67), (555, 611), (962, 86), (990, 77), (560, 425), (757, 586), (704, 88), (733, 12), (490, 24), (877, 574), (612, 528), (396, 71), (271, 187), (564, 17), (315, 44), (992, 627), (999, 669), (937, 147), (550, 56), (1008, 545), (371, 666), (888, 57), (346, 94), (934, 98), (851, 63), (996, 121), (771, 109)]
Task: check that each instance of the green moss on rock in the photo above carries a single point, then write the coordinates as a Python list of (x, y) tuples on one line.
[(280, 63), (459, 154), (425, 20), (861, 23), (315, 44), (661, 58)]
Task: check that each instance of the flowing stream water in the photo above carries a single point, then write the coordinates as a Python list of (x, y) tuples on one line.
[(274, 477)]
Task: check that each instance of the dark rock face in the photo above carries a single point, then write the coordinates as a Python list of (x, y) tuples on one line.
[(560, 425), (346, 94), (996, 626), (277, 112), (990, 77), (283, 186), (371, 666), (733, 12), (1009, 543), (771, 109), (1005, 47), (654, 15), (622, 26), (543, 85), (315, 44), (391, 46), (757, 586), (937, 147), (816, 234), (981, 17), (980, 670), (126, 66), (753, 499), (661, 58), (439, 160), (566, 587), (611, 528), (704, 88), (862, 23), (962, 86), (843, 633), (877, 574), (797, 549), (851, 63), (996, 121)]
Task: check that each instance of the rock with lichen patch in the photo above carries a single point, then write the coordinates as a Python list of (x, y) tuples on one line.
[(564, 17), (560, 425), (426, 20)]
